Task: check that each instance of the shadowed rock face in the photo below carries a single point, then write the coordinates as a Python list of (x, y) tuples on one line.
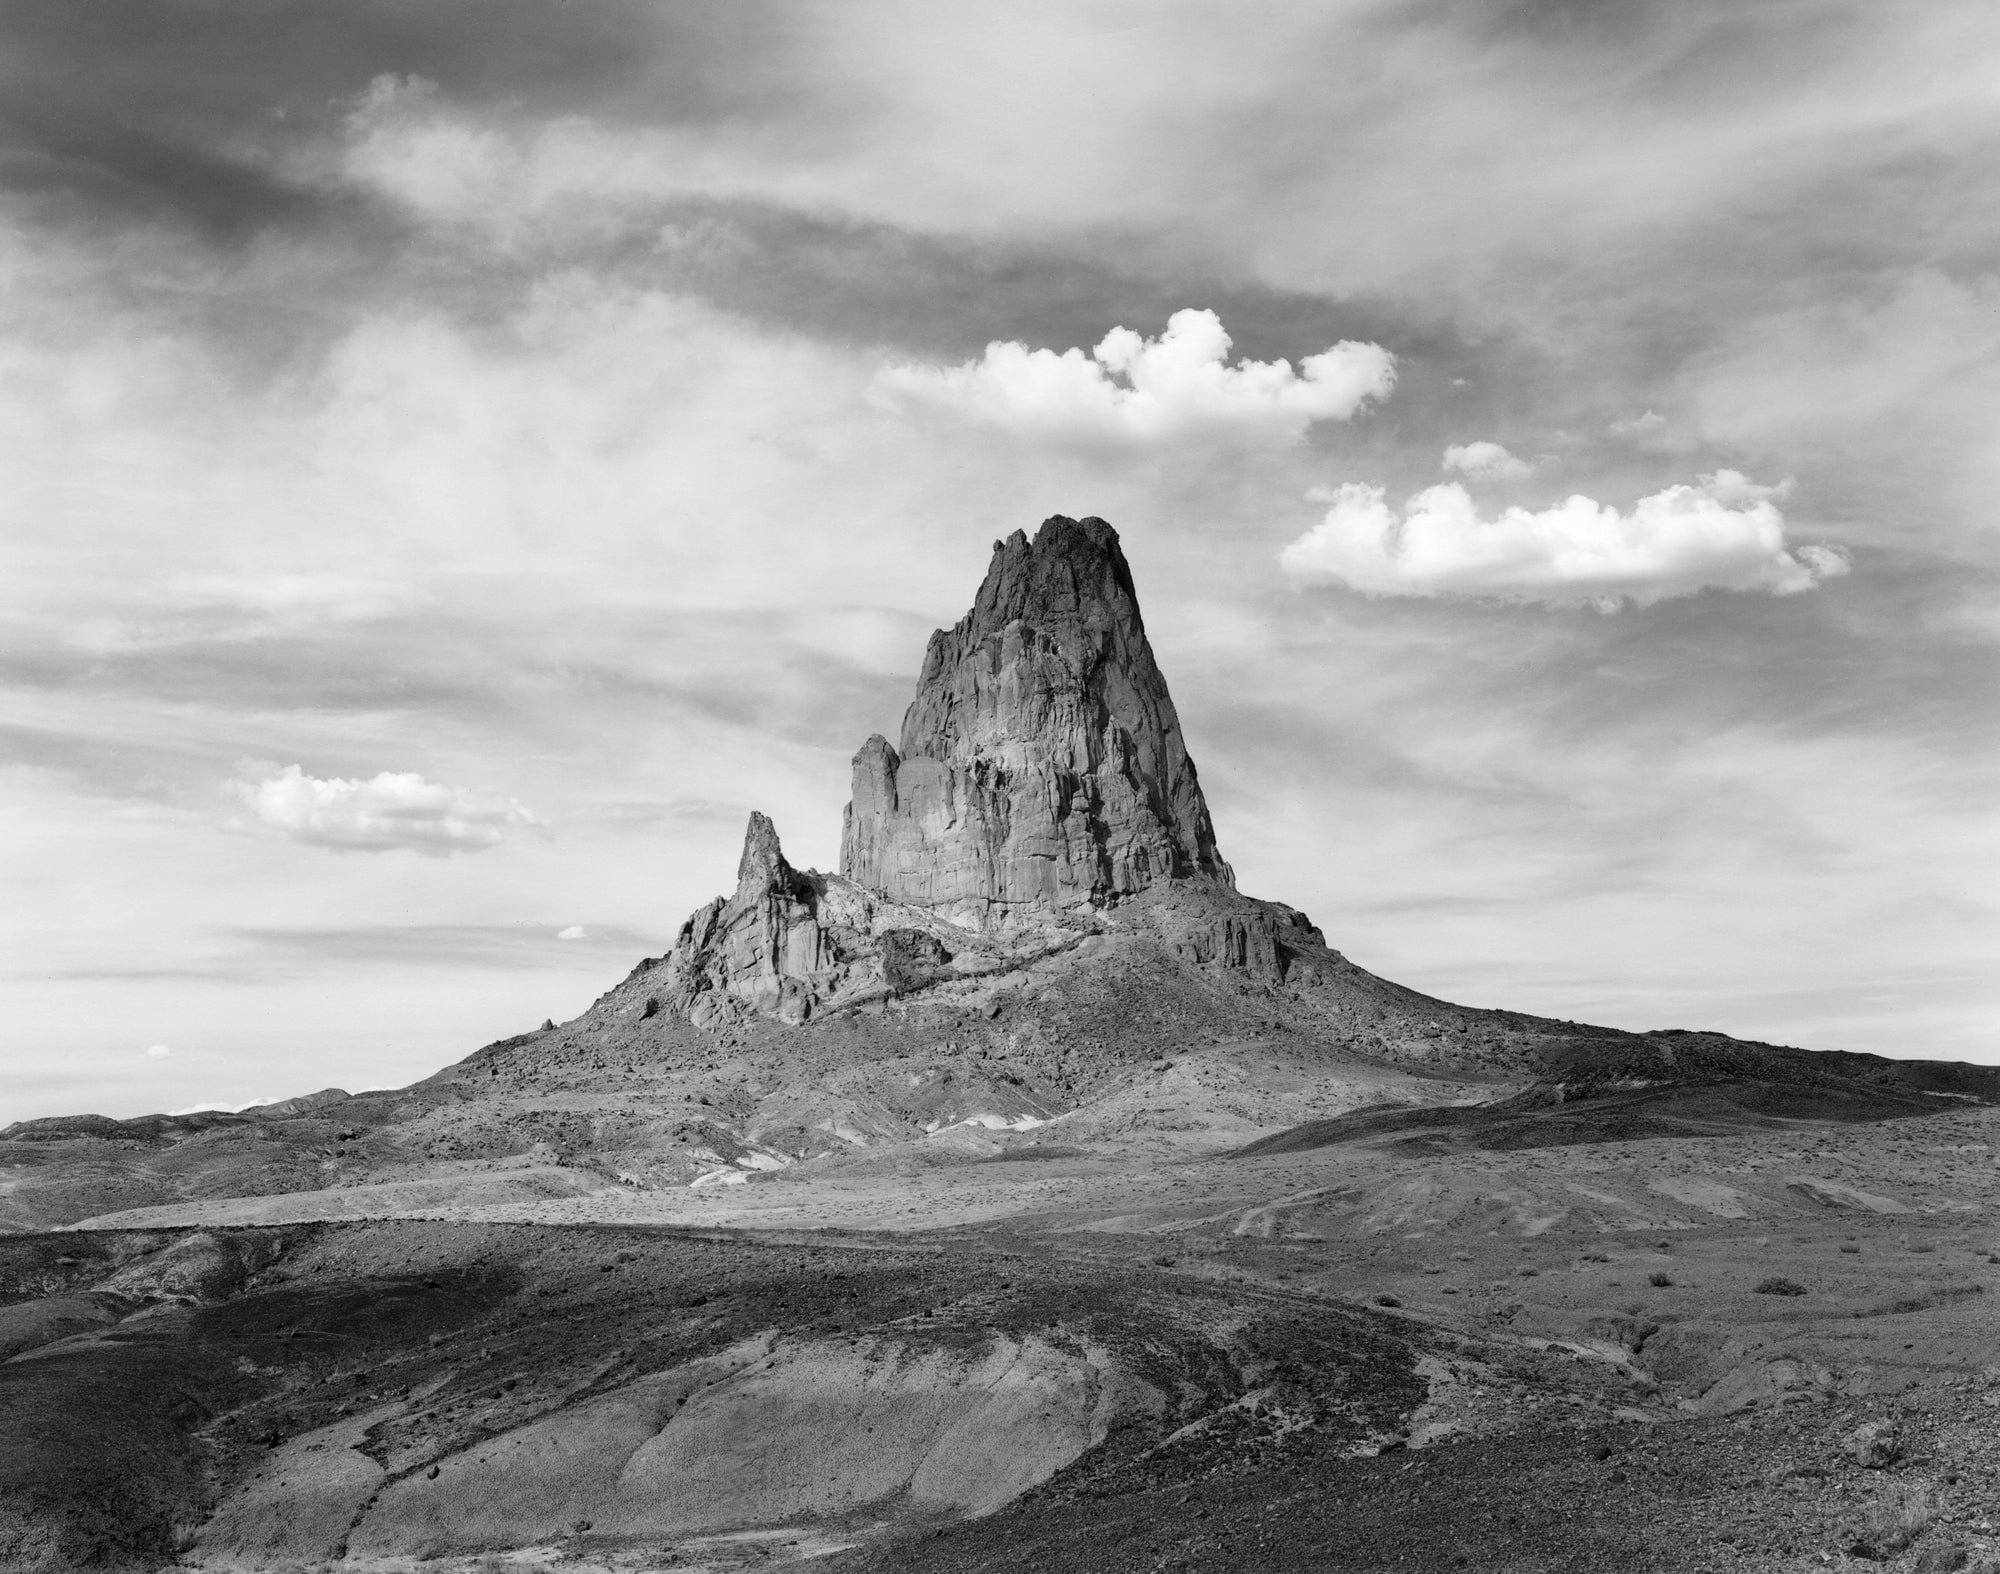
[(1041, 761)]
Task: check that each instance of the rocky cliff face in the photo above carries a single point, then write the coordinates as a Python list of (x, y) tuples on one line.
[(1041, 781), (1041, 763), (764, 948), (790, 944)]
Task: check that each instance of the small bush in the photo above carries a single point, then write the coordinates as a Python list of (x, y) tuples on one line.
[(1947, 1557), (1777, 1284), (1387, 1300), (1887, 1527), (1658, 1280)]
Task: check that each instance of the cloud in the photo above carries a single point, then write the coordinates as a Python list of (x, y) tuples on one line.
[(157, 1051), (301, 951), (1725, 533), (1138, 391), (573, 932), (503, 353), (225, 1107), (1639, 426), (397, 809), (1485, 460)]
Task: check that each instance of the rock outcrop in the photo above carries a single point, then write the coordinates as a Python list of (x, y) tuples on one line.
[(764, 948), (1041, 781), (790, 944), (1041, 763)]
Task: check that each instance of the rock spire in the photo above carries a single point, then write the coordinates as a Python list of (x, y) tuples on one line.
[(760, 947), (1041, 762)]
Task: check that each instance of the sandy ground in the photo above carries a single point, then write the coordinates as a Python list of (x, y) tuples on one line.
[(1941, 1165)]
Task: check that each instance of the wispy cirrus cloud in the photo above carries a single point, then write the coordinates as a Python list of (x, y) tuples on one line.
[(1725, 532), (390, 811), (1134, 391)]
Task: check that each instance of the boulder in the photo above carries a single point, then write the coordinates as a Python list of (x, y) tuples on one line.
[(1875, 1445)]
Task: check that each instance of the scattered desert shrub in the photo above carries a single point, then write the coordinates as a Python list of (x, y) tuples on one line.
[(1658, 1280), (1947, 1557), (1890, 1524), (1777, 1284), (1388, 1300)]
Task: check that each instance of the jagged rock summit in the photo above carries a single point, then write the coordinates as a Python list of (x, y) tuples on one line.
[(1041, 761), (1042, 780)]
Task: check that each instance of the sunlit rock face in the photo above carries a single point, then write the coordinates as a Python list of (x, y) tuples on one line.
[(790, 943), (1041, 763), (759, 947)]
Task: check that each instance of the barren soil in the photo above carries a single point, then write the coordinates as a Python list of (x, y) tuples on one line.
[(1383, 1345)]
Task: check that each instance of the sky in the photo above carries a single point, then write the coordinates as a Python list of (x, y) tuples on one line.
[(459, 459)]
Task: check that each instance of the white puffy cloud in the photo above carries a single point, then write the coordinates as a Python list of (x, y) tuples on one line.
[(573, 932), (394, 809), (1485, 459), (1725, 532), (157, 1051), (1140, 391)]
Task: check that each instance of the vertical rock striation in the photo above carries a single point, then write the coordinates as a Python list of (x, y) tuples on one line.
[(1041, 763)]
